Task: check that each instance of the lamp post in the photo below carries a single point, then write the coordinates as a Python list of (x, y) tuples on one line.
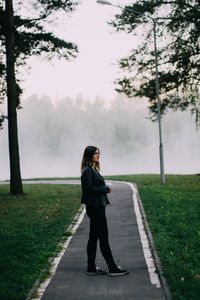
[(154, 20)]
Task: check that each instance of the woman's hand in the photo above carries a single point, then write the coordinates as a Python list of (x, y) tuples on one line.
[(110, 190)]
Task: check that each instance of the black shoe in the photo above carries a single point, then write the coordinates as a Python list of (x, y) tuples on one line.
[(96, 271), (118, 272)]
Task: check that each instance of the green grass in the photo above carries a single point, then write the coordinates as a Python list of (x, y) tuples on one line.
[(31, 227), (50, 178), (173, 213)]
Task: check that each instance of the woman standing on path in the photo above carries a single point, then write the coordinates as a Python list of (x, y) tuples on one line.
[(94, 196)]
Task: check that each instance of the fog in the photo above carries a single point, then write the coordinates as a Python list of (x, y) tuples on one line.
[(53, 135)]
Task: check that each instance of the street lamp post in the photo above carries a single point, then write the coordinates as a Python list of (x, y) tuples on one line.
[(161, 155)]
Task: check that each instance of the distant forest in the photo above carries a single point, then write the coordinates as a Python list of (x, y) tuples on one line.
[(53, 136)]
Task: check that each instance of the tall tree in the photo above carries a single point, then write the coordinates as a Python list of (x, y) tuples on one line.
[(21, 37), (15, 174), (178, 39)]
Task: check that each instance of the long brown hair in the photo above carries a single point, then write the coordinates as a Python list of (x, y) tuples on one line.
[(87, 158)]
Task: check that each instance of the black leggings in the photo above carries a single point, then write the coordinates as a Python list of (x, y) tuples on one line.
[(98, 230)]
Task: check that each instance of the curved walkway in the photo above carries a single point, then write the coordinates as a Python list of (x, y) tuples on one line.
[(130, 249)]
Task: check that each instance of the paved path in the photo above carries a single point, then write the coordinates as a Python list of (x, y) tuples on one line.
[(70, 281)]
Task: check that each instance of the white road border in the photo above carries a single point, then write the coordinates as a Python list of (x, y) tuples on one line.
[(72, 228), (144, 239)]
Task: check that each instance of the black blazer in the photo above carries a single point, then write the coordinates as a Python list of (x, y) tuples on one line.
[(94, 190)]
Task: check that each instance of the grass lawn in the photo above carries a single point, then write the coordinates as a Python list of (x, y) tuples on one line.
[(173, 213), (30, 228)]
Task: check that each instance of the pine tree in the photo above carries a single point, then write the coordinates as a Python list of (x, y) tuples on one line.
[(21, 38)]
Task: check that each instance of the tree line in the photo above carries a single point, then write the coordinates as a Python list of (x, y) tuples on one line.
[(53, 134)]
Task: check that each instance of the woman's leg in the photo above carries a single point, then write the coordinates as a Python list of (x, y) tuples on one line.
[(103, 239), (93, 237)]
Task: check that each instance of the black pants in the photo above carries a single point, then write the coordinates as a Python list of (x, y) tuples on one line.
[(98, 230)]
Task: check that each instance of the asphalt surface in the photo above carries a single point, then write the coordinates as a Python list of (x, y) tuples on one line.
[(70, 281)]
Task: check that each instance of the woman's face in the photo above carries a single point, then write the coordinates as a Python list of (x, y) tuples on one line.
[(96, 156)]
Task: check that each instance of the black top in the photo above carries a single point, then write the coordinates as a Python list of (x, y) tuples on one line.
[(94, 190)]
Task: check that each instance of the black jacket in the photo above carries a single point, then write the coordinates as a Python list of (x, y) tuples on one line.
[(94, 190)]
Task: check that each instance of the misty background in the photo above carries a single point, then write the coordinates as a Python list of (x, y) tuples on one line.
[(53, 135)]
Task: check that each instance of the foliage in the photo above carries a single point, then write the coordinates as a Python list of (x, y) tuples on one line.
[(178, 37), (32, 36), (2, 118)]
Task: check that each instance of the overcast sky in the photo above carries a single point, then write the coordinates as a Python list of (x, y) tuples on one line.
[(92, 73)]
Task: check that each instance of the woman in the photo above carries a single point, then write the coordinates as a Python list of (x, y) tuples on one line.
[(94, 196)]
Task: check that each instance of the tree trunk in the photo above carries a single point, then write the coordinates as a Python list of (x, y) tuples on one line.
[(15, 174)]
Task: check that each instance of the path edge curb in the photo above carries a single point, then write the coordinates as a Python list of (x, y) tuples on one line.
[(158, 264), (57, 255)]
